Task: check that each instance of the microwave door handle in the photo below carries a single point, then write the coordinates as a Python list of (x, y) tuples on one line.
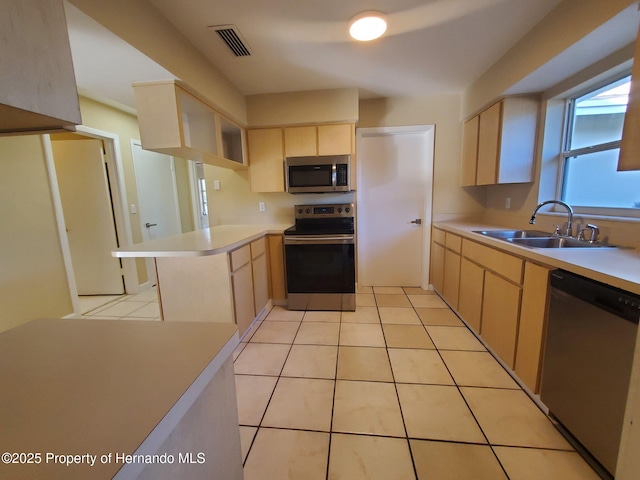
[(334, 176)]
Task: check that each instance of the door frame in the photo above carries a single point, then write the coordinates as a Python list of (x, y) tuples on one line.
[(427, 219), (196, 199), (113, 157)]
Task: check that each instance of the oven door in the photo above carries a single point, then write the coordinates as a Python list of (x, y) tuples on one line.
[(320, 272)]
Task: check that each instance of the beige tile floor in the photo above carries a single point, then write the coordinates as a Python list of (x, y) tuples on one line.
[(399, 389), (143, 306)]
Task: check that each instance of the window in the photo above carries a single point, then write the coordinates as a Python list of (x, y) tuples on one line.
[(590, 158)]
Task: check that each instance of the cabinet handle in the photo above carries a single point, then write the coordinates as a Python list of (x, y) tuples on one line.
[(417, 221)]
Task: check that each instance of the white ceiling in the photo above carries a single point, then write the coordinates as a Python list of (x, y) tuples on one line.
[(431, 46), (106, 66)]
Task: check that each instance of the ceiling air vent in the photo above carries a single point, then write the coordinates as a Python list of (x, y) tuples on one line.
[(230, 35)]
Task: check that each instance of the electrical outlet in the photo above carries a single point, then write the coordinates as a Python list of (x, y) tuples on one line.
[(507, 202), (216, 184), (261, 206)]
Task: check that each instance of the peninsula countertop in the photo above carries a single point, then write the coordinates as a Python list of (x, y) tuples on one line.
[(619, 267), (210, 241), (98, 387)]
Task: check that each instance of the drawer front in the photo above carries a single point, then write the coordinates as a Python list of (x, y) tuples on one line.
[(502, 263), (240, 257), (453, 242), (439, 236), (258, 248)]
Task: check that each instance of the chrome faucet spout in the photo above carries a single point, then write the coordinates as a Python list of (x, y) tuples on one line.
[(569, 230)]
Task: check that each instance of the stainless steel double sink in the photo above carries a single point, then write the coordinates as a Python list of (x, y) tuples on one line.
[(539, 239)]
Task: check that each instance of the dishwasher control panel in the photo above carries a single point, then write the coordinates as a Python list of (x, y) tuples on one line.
[(612, 299)]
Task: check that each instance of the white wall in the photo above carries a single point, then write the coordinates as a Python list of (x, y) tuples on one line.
[(449, 199), (33, 280)]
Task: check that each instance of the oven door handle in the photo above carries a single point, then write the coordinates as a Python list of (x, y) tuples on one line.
[(319, 239)]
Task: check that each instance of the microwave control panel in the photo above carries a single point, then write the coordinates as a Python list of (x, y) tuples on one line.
[(342, 172)]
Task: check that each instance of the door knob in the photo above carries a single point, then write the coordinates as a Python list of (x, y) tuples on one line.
[(150, 224), (417, 221)]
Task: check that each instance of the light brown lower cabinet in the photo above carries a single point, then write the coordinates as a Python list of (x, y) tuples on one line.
[(243, 302), (502, 297), (451, 277), (260, 282), (278, 291), (250, 282), (500, 316), (227, 287), (531, 331), (470, 294), (445, 265), (437, 267)]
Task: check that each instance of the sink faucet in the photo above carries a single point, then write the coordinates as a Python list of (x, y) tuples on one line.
[(565, 205), (594, 233)]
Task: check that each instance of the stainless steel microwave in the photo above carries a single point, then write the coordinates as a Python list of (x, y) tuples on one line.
[(323, 174)]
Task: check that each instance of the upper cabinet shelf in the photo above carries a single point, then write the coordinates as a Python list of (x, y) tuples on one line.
[(37, 84), (499, 143), (175, 121), (630, 145)]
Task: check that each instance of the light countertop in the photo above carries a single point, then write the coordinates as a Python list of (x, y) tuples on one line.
[(619, 267), (96, 386), (210, 241)]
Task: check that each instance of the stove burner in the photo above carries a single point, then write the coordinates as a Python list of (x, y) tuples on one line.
[(323, 220)]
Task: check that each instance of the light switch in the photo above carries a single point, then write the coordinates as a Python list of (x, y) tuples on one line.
[(132, 208), (216, 184)]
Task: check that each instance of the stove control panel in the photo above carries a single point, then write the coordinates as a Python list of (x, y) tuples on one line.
[(338, 210)]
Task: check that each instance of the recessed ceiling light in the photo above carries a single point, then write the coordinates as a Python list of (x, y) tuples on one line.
[(368, 26)]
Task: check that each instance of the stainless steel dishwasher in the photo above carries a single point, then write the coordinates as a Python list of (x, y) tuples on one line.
[(589, 348)]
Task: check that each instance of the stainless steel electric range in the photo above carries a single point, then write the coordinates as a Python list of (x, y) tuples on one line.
[(320, 258)]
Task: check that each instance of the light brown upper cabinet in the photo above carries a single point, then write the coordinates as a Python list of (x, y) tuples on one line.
[(301, 141), (37, 85), (335, 139), (174, 120), (312, 140), (499, 143), (469, 152), (266, 159), (630, 146), (268, 148)]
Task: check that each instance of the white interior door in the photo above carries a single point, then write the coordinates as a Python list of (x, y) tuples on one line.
[(394, 205), (158, 207), (88, 216)]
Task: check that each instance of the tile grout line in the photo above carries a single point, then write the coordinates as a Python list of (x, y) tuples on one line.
[(457, 388), (395, 387), (259, 426), (406, 436), (469, 407), (519, 388), (333, 399)]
